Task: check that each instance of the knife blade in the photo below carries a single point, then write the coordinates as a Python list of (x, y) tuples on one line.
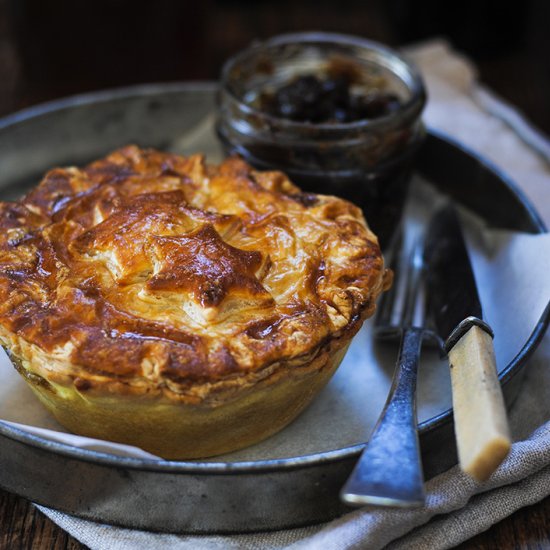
[(454, 307)]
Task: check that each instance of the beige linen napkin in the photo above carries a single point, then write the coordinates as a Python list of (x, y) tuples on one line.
[(460, 508)]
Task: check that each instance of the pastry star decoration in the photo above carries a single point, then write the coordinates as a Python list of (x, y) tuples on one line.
[(207, 267)]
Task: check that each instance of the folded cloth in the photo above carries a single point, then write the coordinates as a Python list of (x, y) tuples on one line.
[(457, 508)]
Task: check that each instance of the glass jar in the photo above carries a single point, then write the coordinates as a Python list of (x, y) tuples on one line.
[(367, 161)]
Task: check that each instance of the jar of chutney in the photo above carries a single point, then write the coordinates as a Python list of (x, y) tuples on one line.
[(340, 115)]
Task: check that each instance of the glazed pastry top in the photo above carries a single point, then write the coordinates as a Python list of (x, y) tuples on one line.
[(149, 270)]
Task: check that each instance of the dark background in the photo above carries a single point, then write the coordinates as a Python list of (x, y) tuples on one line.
[(54, 48)]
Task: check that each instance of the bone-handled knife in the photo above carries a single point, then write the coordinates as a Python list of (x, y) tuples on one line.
[(453, 304)]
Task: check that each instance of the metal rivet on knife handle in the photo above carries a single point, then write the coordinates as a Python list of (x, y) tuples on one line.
[(463, 327)]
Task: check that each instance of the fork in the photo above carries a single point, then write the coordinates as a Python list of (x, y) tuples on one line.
[(389, 470)]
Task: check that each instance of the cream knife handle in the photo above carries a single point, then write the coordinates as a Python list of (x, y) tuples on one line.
[(481, 425)]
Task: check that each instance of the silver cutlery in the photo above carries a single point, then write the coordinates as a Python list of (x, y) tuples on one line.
[(434, 297), (389, 470)]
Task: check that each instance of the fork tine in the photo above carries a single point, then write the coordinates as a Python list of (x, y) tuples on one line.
[(402, 304), (398, 306), (413, 275), (386, 304), (384, 324)]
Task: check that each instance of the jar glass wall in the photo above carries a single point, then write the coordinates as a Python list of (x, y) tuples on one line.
[(366, 160)]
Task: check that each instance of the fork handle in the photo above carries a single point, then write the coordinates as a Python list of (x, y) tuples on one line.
[(389, 471)]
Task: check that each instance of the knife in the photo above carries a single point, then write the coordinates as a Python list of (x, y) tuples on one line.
[(454, 307)]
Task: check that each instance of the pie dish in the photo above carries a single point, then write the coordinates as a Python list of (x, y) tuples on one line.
[(189, 309)]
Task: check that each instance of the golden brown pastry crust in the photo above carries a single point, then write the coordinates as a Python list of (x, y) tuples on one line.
[(150, 274)]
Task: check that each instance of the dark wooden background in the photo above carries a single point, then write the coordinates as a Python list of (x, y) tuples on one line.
[(54, 48)]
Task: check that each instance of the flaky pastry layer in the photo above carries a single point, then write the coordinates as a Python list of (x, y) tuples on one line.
[(148, 273)]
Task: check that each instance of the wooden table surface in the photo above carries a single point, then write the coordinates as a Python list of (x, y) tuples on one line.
[(43, 55)]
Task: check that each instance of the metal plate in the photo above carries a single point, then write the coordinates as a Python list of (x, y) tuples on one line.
[(210, 497)]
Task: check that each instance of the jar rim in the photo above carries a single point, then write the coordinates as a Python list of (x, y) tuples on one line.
[(414, 83)]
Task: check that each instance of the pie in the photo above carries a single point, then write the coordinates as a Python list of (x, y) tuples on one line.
[(189, 309)]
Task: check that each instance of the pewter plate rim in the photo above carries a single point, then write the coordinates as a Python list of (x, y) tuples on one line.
[(266, 466)]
